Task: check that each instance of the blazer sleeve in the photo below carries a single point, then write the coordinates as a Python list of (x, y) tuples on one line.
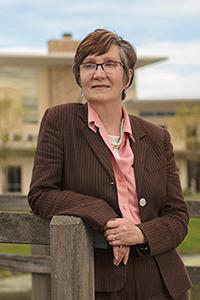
[(46, 196), (167, 231)]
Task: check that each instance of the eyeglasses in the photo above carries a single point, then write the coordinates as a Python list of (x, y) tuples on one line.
[(107, 66)]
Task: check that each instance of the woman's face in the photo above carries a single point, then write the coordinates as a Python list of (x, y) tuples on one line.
[(103, 85)]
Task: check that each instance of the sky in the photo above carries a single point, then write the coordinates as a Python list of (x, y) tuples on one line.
[(155, 27)]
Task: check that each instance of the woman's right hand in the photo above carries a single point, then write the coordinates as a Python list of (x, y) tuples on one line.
[(121, 254)]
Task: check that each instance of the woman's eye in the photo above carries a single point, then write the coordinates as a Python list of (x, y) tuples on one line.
[(89, 66), (110, 64)]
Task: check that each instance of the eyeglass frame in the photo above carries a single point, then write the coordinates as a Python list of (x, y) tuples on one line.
[(97, 65)]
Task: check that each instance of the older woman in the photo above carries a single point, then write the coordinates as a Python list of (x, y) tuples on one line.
[(118, 173)]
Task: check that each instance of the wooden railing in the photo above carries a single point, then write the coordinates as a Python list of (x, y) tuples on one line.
[(61, 263)]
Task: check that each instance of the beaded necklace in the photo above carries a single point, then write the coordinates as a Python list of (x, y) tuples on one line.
[(117, 140)]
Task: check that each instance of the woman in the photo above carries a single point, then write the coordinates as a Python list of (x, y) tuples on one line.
[(118, 173)]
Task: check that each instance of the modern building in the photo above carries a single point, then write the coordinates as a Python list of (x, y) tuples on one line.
[(31, 83), (181, 117)]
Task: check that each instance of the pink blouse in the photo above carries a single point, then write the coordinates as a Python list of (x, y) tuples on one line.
[(122, 162)]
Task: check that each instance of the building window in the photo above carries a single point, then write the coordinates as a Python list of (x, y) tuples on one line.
[(30, 138), (157, 113), (14, 179), (192, 140), (17, 137), (191, 131), (20, 84), (194, 176)]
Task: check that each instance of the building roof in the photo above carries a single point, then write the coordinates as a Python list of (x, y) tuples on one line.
[(57, 59), (161, 104), (148, 60)]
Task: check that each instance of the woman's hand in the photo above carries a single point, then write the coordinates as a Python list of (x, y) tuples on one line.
[(121, 254), (123, 231)]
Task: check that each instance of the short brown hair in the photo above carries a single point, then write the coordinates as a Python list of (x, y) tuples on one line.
[(99, 42)]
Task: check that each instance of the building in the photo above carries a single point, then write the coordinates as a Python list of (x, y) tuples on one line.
[(182, 118), (31, 83)]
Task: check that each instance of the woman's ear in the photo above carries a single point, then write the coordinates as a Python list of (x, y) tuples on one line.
[(130, 78)]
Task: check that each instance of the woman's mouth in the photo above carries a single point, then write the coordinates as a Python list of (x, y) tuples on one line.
[(98, 86)]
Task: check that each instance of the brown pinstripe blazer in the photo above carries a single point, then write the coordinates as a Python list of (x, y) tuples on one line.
[(73, 175)]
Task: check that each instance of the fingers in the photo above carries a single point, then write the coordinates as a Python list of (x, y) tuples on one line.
[(118, 259), (121, 253), (126, 256), (111, 237), (110, 232), (115, 228), (117, 262), (123, 232), (114, 240), (113, 223)]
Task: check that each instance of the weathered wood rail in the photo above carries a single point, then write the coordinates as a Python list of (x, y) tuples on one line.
[(67, 255), (61, 263)]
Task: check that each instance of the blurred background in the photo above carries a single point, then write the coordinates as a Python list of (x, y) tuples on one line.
[(37, 44)]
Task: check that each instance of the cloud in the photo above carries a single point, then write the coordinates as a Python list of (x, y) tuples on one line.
[(167, 83), (145, 8), (132, 19), (23, 50), (176, 77), (170, 8), (182, 53)]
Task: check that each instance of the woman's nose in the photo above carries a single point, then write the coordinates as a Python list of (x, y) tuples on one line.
[(99, 72)]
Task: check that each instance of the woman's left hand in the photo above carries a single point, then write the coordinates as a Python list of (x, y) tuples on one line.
[(123, 231)]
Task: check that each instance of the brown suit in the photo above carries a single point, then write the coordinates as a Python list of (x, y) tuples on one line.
[(73, 175)]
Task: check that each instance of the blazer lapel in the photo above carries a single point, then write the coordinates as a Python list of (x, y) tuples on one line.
[(139, 150), (103, 153), (96, 143)]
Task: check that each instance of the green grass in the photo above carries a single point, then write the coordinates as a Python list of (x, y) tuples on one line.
[(190, 196), (191, 244), (16, 296), (15, 249)]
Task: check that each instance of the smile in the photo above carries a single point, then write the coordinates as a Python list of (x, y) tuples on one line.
[(100, 86)]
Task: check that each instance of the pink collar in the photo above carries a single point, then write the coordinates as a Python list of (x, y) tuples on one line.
[(95, 122)]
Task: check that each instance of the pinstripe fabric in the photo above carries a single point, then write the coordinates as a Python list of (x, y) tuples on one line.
[(140, 270), (143, 282), (73, 175)]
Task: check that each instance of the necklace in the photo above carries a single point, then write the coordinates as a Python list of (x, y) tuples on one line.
[(117, 140)]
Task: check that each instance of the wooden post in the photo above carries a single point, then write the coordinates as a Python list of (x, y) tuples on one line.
[(41, 283), (71, 248)]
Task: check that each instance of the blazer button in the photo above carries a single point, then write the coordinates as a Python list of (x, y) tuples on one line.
[(142, 202)]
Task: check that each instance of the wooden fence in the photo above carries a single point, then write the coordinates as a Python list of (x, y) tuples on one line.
[(61, 263)]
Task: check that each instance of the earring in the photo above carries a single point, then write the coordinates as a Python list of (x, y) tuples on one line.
[(82, 93)]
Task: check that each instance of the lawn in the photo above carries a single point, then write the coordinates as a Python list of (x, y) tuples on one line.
[(191, 244), (15, 249), (189, 196)]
